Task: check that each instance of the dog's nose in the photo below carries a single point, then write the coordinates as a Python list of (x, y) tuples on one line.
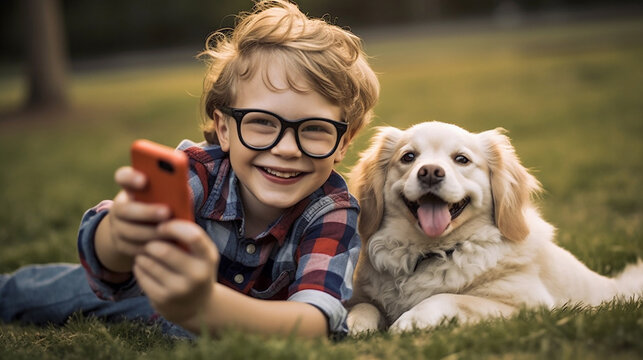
[(431, 174)]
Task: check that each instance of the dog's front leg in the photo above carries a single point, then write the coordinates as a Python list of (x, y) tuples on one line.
[(363, 318), (433, 310)]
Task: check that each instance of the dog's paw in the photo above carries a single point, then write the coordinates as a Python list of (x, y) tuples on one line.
[(409, 321), (428, 313), (416, 320), (363, 318)]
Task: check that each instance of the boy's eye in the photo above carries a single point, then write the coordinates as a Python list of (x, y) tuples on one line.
[(316, 128), (261, 122)]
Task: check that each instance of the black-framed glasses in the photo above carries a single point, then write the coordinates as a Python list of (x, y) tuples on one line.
[(262, 130)]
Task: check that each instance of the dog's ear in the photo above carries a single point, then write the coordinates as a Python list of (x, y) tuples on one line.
[(512, 186), (368, 176)]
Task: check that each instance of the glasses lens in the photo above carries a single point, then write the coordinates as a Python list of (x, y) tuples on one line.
[(259, 129), (317, 137)]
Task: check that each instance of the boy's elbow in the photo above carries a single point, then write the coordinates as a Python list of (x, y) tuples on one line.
[(313, 324)]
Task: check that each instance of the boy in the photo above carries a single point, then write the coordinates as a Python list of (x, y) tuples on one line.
[(283, 96)]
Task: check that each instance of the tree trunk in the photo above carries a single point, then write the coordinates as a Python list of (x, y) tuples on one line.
[(46, 54)]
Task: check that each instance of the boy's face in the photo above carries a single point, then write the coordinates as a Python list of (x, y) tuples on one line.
[(279, 177)]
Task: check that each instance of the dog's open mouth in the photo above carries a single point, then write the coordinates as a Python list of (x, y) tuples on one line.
[(434, 214)]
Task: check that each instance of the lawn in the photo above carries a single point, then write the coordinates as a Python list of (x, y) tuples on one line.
[(569, 95)]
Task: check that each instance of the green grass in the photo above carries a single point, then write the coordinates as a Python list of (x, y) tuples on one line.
[(570, 97)]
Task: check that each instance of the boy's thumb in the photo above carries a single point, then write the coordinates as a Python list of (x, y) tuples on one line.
[(129, 179)]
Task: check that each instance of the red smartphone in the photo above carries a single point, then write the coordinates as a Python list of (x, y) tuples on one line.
[(167, 177)]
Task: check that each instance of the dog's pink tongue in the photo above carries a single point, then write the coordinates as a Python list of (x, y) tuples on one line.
[(434, 217)]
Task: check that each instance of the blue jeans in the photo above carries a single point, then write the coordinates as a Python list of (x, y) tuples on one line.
[(49, 294)]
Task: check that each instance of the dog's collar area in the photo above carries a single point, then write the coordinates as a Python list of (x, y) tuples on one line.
[(432, 255)]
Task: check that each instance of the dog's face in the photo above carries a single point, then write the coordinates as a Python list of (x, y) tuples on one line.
[(437, 177)]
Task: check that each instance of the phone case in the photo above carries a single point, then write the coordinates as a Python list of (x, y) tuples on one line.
[(167, 177)]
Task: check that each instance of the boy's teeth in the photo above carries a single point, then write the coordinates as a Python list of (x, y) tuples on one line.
[(280, 174)]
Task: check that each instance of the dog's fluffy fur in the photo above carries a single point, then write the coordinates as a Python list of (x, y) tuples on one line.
[(425, 258)]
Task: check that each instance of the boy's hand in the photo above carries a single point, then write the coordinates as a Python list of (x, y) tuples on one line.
[(129, 225), (133, 223), (178, 283)]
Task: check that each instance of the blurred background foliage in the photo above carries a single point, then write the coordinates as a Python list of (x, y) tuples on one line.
[(99, 27), (45, 39)]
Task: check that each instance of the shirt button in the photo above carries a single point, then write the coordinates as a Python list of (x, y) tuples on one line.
[(251, 248), (238, 278)]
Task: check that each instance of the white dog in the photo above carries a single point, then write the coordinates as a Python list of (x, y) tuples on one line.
[(448, 230)]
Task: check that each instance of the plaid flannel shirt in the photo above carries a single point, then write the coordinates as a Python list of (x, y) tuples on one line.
[(307, 255)]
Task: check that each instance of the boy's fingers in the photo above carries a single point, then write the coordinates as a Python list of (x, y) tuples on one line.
[(129, 248), (158, 271), (136, 233), (150, 285), (176, 263), (128, 210), (167, 253), (190, 235), (130, 179)]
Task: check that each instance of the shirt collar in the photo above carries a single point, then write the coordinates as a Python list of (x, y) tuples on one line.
[(280, 228), (224, 202)]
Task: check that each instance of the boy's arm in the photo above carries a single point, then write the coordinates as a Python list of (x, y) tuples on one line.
[(105, 251), (326, 259), (181, 285), (106, 284), (230, 309)]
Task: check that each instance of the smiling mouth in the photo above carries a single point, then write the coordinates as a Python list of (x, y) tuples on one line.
[(434, 215), (282, 174), (455, 209)]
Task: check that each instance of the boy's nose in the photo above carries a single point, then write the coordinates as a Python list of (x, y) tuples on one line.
[(287, 146)]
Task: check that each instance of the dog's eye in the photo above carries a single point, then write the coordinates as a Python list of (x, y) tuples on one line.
[(461, 159), (408, 157)]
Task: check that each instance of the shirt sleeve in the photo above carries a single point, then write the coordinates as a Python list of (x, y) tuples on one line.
[(106, 284), (327, 256)]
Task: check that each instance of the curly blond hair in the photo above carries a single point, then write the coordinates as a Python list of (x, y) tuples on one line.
[(331, 59)]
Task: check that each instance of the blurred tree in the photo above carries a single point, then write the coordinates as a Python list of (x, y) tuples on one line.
[(46, 54)]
